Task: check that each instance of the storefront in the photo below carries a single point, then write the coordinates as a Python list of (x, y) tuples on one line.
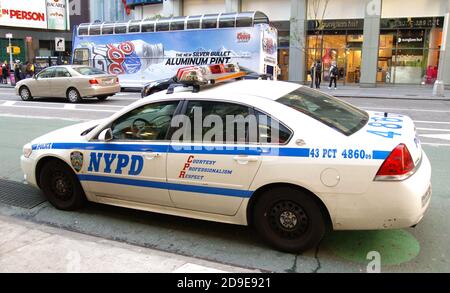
[(339, 42), (34, 25), (409, 50)]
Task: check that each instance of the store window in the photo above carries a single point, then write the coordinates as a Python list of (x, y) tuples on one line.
[(409, 56), (343, 48)]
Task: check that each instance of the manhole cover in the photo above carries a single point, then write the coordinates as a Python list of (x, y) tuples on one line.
[(20, 195)]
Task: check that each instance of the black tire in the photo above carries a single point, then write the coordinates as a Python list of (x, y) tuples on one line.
[(289, 219), (102, 98), (61, 186), (73, 95), (25, 93)]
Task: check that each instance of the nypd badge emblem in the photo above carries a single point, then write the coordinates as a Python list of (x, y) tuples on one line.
[(76, 159)]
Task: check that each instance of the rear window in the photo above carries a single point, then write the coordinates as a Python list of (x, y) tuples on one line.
[(335, 113), (88, 71)]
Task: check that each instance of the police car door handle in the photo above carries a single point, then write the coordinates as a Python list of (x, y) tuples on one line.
[(151, 155), (246, 159)]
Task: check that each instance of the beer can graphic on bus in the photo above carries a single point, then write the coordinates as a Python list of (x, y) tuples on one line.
[(128, 57)]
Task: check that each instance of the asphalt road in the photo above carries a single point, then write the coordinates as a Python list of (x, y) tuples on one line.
[(421, 249)]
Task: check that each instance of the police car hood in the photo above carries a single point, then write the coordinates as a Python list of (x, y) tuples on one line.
[(384, 132), (71, 133)]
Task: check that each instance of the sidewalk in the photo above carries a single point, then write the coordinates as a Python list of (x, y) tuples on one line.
[(412, 92), (29, 247)]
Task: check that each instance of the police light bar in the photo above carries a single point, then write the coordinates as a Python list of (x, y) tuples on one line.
[(209, 74)]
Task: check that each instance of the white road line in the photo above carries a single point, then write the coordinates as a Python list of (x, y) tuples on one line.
[(70, 106), (434, 129), (42, 117), (61, 104), (431, 122), (8, 103), (53, 108), (403, 109), (193, 268), (435, 144)]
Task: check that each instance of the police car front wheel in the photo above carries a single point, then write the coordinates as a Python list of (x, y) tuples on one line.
[(289, 219), (61, 186)]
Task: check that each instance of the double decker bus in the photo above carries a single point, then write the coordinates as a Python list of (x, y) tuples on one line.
[(142, 51)]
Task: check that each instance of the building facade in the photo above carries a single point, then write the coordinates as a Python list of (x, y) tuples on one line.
[(34, 25), (373, 42)]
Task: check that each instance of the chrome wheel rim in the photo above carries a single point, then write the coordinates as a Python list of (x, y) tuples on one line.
[(73, 96), (25, 94)]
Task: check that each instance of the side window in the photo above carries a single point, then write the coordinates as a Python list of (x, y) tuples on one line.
[(271, 131), (62, 72), (48, 73), (81, 57), (221, 122), (149, 122)]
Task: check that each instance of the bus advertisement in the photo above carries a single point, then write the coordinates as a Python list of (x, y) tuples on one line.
[(142, 57)]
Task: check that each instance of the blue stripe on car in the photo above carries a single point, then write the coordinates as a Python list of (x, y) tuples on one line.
[(169, 186)]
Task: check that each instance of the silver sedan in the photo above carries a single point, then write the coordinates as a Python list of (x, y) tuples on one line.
[(73, 82)]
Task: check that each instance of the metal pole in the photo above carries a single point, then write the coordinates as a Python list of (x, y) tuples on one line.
[(10, 53)]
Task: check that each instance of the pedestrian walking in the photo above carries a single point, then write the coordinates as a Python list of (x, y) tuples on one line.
[(334, 72), (5, 73), (17, 71), (318, 75), (312, 73)]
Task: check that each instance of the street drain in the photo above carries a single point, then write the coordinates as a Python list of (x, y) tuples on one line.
[(20, 195)]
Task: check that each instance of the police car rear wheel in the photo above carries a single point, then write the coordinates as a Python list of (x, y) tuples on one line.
[(25, 94), (289, 219), (61, 186)]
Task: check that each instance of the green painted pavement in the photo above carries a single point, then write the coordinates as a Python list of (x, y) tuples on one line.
[(14, 133)]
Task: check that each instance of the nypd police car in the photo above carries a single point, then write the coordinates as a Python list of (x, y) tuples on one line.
[(307, 164)]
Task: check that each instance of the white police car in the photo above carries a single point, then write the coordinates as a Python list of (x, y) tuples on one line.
[(295, 163)]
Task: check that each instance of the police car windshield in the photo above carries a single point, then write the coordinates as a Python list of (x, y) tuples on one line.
[(88, 71), (335, 113)]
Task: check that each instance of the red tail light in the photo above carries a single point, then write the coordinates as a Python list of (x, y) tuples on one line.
[(397, 166), (117, 80), (93, 81)]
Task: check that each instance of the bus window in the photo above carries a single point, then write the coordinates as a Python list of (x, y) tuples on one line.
[(209, 21), (260, 18), (94, 30), (244, 20), (120, 28), (83, 30), (193, 22), (108, 29), (177, 24), (81, 56), (227, 20), (162, 25), (148, 26), (134, 27)]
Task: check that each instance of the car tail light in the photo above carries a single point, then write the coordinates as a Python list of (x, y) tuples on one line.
[(93, 82), (399, 165), (117, 80)]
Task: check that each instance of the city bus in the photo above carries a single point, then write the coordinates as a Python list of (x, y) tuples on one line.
[(142, 51)]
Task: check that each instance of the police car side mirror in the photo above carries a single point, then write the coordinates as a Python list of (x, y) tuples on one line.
[(105, 135)]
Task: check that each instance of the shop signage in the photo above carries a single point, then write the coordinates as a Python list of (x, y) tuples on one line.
[(410, 40), (336, 24), (41, 14), (413, 22)]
